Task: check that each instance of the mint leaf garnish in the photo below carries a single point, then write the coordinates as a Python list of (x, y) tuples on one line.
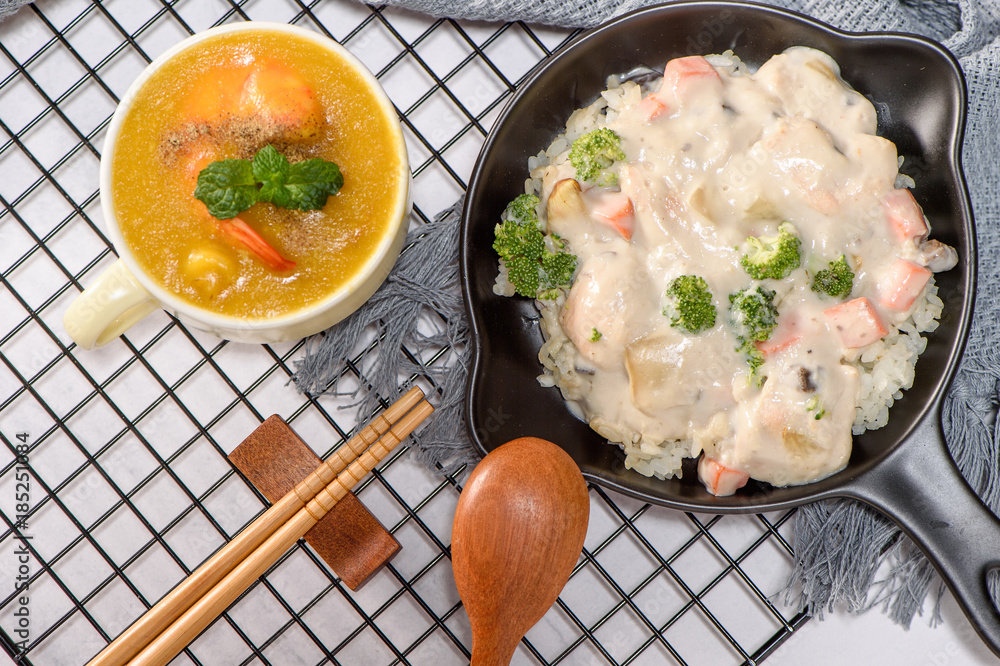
[(271, 169), (268, 162), (229, 187), (312, 181)]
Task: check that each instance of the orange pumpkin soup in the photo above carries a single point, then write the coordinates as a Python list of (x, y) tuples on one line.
[(226, 98)]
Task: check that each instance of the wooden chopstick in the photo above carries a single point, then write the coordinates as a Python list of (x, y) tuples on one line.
[(170, 607), (208, 607)]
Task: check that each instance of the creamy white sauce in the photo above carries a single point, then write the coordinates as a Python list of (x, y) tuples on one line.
[(731, 157)]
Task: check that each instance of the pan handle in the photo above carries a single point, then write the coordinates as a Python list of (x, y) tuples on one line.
[(919, 486)]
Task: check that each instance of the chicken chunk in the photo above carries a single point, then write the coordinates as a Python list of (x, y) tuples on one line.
[(597, 311), (797, 431)]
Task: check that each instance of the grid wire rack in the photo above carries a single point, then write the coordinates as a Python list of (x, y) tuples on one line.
[(122, 451)]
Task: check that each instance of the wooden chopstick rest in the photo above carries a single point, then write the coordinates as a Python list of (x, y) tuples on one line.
[(349, 538), (208, 607), (185, 593)]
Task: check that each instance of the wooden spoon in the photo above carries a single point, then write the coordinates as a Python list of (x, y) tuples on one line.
[(518, 532)]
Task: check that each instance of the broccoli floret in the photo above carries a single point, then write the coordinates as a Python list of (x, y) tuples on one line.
[(596, 335), (523, 209), (532, 268), (518, 234), (755, 359), (815, 406), (592, 154), (689, 304), (836, 281), (753, 316), (753, 313), (557, 271), (523, 274), (773, 256), (518, 240)]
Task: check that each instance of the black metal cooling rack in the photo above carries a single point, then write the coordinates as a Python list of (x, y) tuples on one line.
[(114, 481)]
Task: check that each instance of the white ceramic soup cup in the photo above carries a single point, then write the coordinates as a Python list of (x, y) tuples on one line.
[(125, 293)]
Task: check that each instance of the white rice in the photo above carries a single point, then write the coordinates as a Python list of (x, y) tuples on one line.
[(886, 367)]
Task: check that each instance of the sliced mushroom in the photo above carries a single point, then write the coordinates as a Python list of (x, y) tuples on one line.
[(762, 209), (822, 69), (806, 383), (800, 443), (565, 206), (937, 256), (656, 374), (699, 202)]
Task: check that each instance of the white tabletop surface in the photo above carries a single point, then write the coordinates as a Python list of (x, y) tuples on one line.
[(871, 638)]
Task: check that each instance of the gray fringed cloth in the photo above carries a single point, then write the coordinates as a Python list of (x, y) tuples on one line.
[(846, 554), (415, 314), (840, 546), (8, 7)]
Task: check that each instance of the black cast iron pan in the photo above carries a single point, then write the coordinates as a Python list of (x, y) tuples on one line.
[(903, 469)]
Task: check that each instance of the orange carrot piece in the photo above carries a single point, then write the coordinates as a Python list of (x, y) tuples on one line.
[(681, 74), (901, 284), (906, 219), (720, 480), (652, 107), (857, 323), (787, 332), (615, 210), (243, 233)]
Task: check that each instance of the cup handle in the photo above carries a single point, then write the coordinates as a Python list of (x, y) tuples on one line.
[(108, 308)]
